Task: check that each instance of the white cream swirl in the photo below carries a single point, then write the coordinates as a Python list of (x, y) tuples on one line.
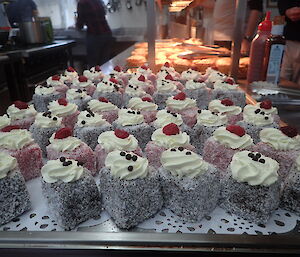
[(15, 139), (135, 91), (7, 164), (279, 140), (145, 72), (98, 106), (215, 76), (65, 144), (129, 117), (71, 74), (4, 121), (122, 168), (208, 119), (225, 137), (190, 74), (164, 117), (73, 94), (54, 83), (137, 103), (61, 110), (161, 139), (256, 116), (180, 105), (106, 86), (110, 142), (44, 120), (87, 119), (54, 171), (165, 86), (92, 74), (191, 84), (183, 163), (222, 85), (255, 173), (17, 114), (83, 84), (41, 90), (217, 106)]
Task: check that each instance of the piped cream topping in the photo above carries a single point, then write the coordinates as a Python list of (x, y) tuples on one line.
[(191, 84), (15, 139), (4, 121), (165, 86), (217, 106), (209, 119), (129, 117), (61, 110), (90, 119), (74, 94), (47, 120), (7, 164), (190, 74), (179, 105), (17, 114), (222, 85), (41, 90), (98, 106), (163, 140), (256, 116), (65, 144), (137, 103)]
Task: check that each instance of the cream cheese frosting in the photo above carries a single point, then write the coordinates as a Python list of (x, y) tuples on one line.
[(47, 120), (98, 106), (126, 165), (208, 119), (256, 116), (254, 169), (65, 144), (279, 140), (163, 140), (61, 110), (165, 86), (129, 117), (179, 105), (41, 90), (4, 121), (137, 103), (7, 164), (222, 85), (15, 139), (164, 117), (74, 94), (110, 142), (191, 84), (56, 170), (190, 74), (217, 106), (90, 119), (231, 140), (17, 114), (183, 163)]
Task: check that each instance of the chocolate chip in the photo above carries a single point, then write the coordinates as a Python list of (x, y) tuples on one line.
[(251, 155), (168, 112), (173, 150), (55, 118), (130, 86), (122, 153), (255, 159), (67, 163), (199, 111), (81, 97), (266, 118), (62, 159), (130, 168), (258, 155), (128, 157), (213, 113), (262, 160), (188, 153), (175, 115), (257, 111), (88, 115), (180, 148), (80, 163), (134, 158), (138, 112), (79, 91), (262, 113)]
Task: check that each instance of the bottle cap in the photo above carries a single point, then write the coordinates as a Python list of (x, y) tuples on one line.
[(266, 25)]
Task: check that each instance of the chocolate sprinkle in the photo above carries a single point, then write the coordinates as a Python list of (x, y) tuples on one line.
[(266, 118), (67, 163), (128, 157), (180, 148), (130, 168), (134, 158), (257, 111), (188, 153), (173, 150), (122, 153), (199, 111), (62, 159), (83, 122), (54, 118), (262, 160)]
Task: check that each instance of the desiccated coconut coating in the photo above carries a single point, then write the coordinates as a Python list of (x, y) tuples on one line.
[(41, 102)]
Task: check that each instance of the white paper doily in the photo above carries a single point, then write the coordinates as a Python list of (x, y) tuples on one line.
[(219, 221)]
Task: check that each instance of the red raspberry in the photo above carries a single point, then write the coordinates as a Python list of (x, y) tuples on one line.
[(121, 133), (167, 65), (71, 69), (266, 104), (169, 77), (239, 131), (227, 102), (97, 68), (62, 101), (21, 105), (230, 80), (289, 131), (56, 77), (63, 133), (83, 79), (142, 78), (144, 67), (103, 99), (180, 96), (9, 128), (113, 80), (171, 129), (118, 69), (147, 99)]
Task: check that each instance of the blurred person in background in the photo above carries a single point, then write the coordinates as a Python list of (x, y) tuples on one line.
[(21, 11), (99, 36), (290, 69)]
